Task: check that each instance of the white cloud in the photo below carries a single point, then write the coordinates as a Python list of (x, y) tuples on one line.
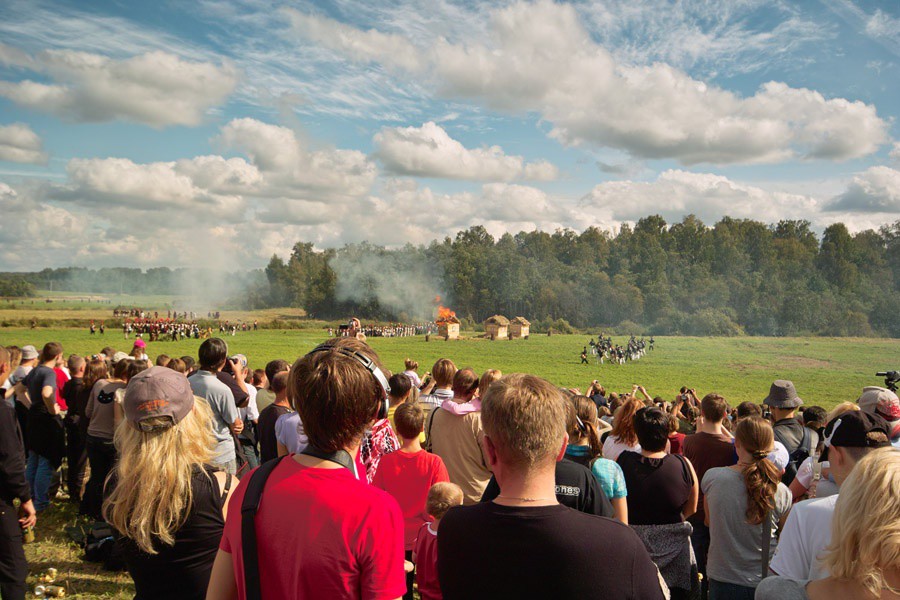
[(881, 24), (18, 143), (429, 151), (895, 153), (875, 190), (156, 88), (363, 46), (540, 58), (676, 193), (289, 167)]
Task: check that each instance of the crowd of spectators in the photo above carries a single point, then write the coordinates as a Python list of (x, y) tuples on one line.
[(333, 477)]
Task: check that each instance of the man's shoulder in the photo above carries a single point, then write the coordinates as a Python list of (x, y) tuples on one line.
[(815, 507)]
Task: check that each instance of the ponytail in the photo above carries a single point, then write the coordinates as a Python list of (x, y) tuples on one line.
[(594, 440), (761, 476)]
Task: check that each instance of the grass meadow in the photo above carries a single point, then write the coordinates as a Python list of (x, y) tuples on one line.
[(826, 371)]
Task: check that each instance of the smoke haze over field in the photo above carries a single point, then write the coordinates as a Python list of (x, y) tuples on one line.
[(400, 282)]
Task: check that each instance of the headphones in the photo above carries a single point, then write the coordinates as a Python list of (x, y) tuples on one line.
[(370, 366)]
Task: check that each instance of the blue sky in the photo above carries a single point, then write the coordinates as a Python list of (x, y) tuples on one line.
[(216, 133)]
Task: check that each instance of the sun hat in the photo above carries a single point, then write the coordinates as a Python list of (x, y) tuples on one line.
[(852, 429), (880, 401), (782, 394), (157, 392), (139, 343), (29, 352), (119, 356)]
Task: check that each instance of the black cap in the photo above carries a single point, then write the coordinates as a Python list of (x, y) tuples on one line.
[(851, 429)]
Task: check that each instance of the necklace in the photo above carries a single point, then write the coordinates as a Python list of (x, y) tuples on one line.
[(525, 499)]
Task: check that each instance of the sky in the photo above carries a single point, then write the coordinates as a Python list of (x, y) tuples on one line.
[(213, 133)]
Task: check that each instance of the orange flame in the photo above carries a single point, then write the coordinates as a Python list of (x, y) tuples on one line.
[(445, 314)]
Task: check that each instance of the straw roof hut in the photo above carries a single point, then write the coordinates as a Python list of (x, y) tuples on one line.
[(519, 328), (496, 327)]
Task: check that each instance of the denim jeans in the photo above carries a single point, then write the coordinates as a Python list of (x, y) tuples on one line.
[(730, 591), (39, 473), (700, 542)]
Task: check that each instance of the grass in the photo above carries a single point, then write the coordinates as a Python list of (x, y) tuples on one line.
[(52, 548), (826, 371)]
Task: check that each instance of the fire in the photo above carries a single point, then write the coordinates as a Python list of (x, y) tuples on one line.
[(445, 314)]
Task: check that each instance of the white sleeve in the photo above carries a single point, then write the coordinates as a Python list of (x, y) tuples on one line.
[(805, 473), (791, 558), (252, 409)]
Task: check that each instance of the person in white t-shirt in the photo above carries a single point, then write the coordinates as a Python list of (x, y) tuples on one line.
[(290, 435), (807, 532), (623, 437)]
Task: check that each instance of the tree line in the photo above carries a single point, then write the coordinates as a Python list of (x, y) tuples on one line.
[(738, 276)]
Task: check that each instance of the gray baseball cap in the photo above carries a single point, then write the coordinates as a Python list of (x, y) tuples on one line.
[(157, 392)]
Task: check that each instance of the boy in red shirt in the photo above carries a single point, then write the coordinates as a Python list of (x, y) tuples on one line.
[(408, 474), (441, 498)]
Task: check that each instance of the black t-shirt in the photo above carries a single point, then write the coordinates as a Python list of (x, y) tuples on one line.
[(46, 435), (72, 393), (265, 425), (181, 572), (38, 378), (491, 551), (657, 487), (576, 487)]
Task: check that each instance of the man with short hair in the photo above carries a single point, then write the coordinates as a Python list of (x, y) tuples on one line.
[(266, 395), (226, 421), (799, 441), (884, 403), (76, 450), (46, 436), (453, 431), (807, 532), (13, 486), (525, 544), (710, 447), (268, 444)]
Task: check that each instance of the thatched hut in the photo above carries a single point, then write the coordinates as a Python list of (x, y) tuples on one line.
[(496, 327), (448, 328), (519, 328)]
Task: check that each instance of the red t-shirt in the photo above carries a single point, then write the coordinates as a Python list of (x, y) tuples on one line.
[(676, 443), (426, 564), (321, 533), (61, 379), (408, 477)]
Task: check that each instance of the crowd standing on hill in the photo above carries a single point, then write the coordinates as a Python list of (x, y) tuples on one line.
[(334, 478)]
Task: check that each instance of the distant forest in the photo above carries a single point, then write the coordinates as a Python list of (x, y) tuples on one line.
[(737, 277)]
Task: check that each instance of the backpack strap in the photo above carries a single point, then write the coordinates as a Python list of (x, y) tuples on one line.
[(228, 479), (766, 543), (249, 507), (428, 444), (806, 442)]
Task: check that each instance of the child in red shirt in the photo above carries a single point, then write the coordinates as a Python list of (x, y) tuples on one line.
[(408, 474), (441, 498)]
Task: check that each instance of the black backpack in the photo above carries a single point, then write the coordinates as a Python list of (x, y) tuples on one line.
[(796, 456)]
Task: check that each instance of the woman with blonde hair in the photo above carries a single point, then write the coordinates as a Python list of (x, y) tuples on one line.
[(744, 504), (623, 436), (864, 555), (167, 502)]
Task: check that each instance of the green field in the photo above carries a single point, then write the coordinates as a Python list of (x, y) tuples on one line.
[(826, 371)]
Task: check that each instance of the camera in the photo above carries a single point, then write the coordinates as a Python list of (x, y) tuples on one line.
[(891, 379)]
